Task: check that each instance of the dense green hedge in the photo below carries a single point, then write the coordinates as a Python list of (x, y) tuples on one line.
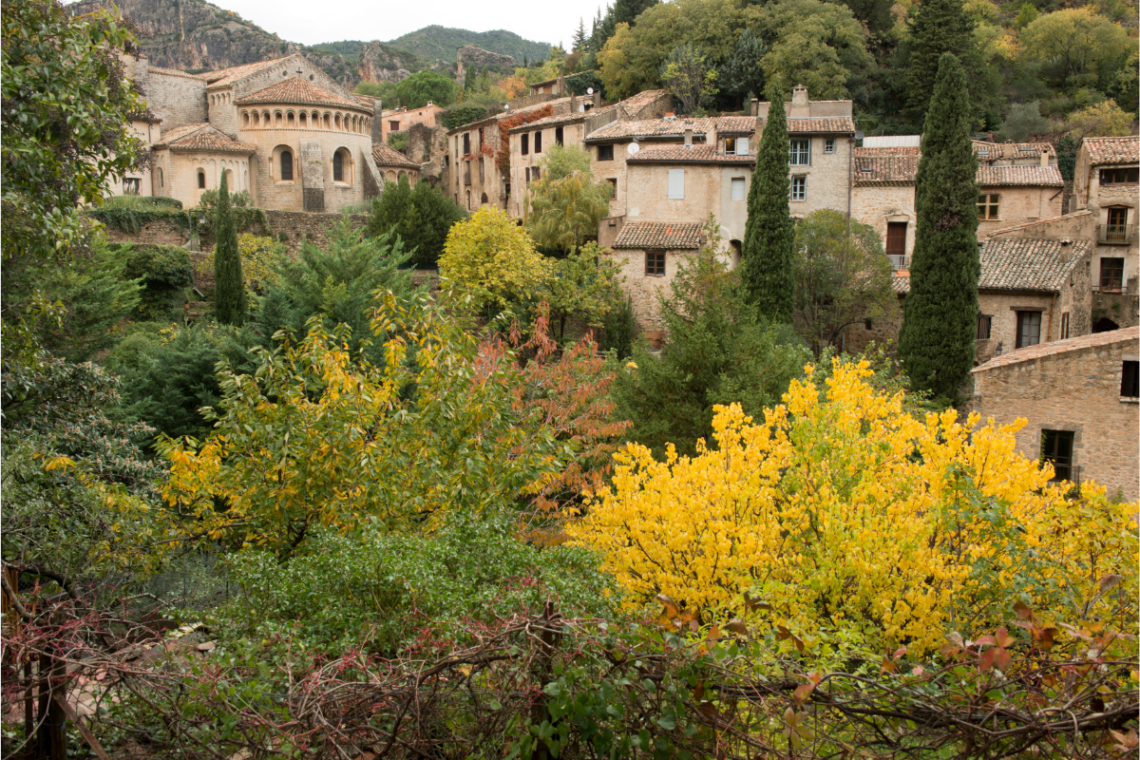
[(130, 221)]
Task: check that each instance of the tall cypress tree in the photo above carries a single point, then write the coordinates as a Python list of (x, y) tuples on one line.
[(769, 235), (941, 26), (229, 288), (936, 344)]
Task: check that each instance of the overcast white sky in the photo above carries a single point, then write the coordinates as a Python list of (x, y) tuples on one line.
[(332, 20)]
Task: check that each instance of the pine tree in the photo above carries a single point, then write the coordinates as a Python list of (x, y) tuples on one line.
[(229, 288), (769, 236), (580, 37), (936, 344), (941, 26)]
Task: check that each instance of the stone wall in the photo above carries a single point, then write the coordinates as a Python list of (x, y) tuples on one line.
[(177, 99), (647, 195), (289, 227), (1021, 205), (1071, 389), (879, 205)]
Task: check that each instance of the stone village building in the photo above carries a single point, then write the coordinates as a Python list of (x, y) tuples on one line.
[(1080, 397), (280, 129)]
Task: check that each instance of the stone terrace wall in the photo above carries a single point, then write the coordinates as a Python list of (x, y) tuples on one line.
[(290, 227)]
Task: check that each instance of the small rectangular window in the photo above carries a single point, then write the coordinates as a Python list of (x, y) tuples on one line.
[(1130, 379), (605, 153), (613, 185), (738, 193), (1117, 228), (526, 174), (985, 322), (1064, 325), (730, 146), (799, 152), (655, 263), (131, 186), (538, 142), (799, 188), (988, 206), (394, 126), (1057, 449), (482, 171), (896, 238), (536, 173), (525, 143), (1121, 176), (558, 135), (677, 184), (1111, 275), (467, 144), (1028, 328), (829, 145)]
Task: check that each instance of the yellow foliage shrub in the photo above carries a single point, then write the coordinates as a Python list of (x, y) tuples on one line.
[(490, 255), (845, 513)]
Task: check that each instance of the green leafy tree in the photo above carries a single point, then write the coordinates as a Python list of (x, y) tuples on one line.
[(936, 344), (1087, 47), (66, 135), (386, 91), (620, 327), (743, 73), (424, 86), (1026, 16), (627, 11), (459, 115), (843, 278), (566, 204), (769, 235), (720, 350), (579, 287), (334, 285), (420, 217), (229, 291), (493, 259), (1101, 120), (940, 26), (817, 44), (1023, 121), (687, 76), (164, 272)]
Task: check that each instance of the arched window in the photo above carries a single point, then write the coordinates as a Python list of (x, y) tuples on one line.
[(302, 120), (245, 119), (201, 177), (338, 167), (230, 180), (160, 178), (286, 166)]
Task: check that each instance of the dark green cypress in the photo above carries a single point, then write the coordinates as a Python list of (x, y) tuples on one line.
[(769, 234), (936, 344), (229, 287), (941, 26)]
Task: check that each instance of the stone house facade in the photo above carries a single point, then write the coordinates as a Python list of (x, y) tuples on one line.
[(403, 119), (586, 115), (1080, 398), (1106, 183), (282, 129), (145, 126)]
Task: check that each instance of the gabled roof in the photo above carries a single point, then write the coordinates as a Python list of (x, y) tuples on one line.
[(736, 125), (1040, 222), (201, 138), (885, 169), (174, 73), (686, 154), (636, 102), (994, 151), (298, 91), (1012, 176), (650, 128), (890, 150), (228, 76), (837, 125), (650, 235), (1107, 151), (390, 157), (1041, 350), (1040, 266)]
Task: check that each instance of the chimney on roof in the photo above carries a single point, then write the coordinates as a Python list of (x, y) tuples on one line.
[(711, 136), (688, 137), (801, 106), (755, 106), (573, 103), (598, 99), (1045, 157)]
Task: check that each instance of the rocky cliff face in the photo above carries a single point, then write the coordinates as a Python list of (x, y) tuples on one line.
[(472, 56)]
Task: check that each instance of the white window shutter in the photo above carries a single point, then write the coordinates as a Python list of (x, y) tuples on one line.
[(742, 146), (738, 188), (677, 184)]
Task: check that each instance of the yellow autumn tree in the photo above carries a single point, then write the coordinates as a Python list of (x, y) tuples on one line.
[(842, 513), (492, 257)]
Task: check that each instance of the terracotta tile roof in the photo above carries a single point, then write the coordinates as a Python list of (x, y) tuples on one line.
[(736, 125), (174, 73), (201, 138), (1113, 150), (1050, 220), (885, 169), (385, 156), (650, 128), (647, 235), (1010, 176), (692, 154), (842, 125), (1041, 350), (1034, 265), (1010, 150), (893, 150), (1021, 265), (234, 73), (297, 91), (886, 166), (640, 100)]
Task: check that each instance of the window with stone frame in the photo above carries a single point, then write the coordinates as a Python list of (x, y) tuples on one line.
[(985, 324), (1117, 228), (655, 263), (829, 145), (1028, 329), (524, 144), (286, 160), (1057, 449), (799, 152), (896, 238), (1124, 175), (989, 204), (201, 180), (605, 153), (1130, 379), (798, 189), (1111, 274), (338, 166)]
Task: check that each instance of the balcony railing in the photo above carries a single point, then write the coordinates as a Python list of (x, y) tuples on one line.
[(899, 262), (1115, 234)]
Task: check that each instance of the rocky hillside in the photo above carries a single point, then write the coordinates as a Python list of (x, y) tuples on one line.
[(438, 42)]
